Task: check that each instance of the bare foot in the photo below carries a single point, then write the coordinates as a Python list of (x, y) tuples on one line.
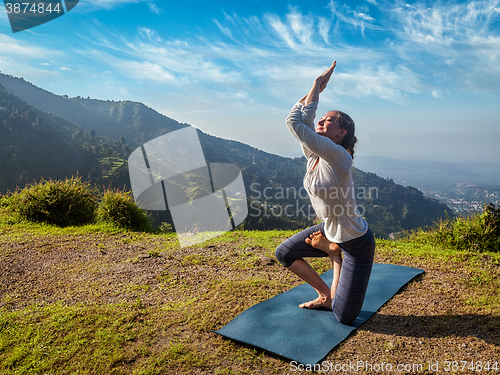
[(322, 302), (319, 241)]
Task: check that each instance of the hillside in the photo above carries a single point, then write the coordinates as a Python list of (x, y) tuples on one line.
[(34, 144), (94, 138), (134, 121)]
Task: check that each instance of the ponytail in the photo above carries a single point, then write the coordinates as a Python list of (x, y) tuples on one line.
[(347, 123)]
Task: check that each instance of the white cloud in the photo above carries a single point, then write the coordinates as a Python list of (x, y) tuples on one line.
[(225, 30), (437, 94), (363, 16), (23, 59), (273, 56), (381, 82), (302, 26), (150, 34), (462, 39), (279, 56), (155, 8), (135, 70), (324, 25), (240, 95), (24, 69), (90, 5), (282, 31), (250, 69), (147, 70), (13, 47), (357, 18)]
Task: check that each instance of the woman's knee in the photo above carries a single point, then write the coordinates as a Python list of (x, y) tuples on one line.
[(280, 254), (346, 319), (346, 314)]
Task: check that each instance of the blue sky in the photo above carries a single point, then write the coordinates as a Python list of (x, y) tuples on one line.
[(420, 79)]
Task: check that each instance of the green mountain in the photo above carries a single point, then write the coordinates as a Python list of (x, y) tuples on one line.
[(51, 136), (34, 144), (134, 121)]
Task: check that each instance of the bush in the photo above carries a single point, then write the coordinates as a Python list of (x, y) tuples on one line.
[(63, 203), (477, 233), (4, 200), (120, 209)]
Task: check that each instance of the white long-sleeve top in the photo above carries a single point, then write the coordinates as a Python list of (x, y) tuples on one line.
[(329, 184)]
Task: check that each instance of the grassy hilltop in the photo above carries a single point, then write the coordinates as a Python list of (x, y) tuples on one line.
[(100, 299)]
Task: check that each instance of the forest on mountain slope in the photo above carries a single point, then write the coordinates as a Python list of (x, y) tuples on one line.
[(43, 135)]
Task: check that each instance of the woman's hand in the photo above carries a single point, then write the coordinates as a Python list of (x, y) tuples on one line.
[(325, 77), (319, 85)]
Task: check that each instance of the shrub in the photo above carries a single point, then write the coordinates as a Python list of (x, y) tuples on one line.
[(165, 228), (480, 232), (63, 203), (119, 208), (4, 200)]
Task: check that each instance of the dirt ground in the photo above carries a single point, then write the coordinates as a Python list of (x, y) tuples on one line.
[(428, 327)]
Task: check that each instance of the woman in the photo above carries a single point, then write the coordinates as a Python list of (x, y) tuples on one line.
[(329, 149)]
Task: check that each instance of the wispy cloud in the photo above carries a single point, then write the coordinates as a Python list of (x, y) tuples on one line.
[(445, 23), (225, 30), (380, 81), (462, 39), (152, 35), (91, 5), (103, 4), (261, 54), (271, 55), (234, 95), (13, 47), (437, 94), (357, 18), (155, 8)]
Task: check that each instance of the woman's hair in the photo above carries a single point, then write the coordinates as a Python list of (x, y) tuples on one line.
[(346, 122)]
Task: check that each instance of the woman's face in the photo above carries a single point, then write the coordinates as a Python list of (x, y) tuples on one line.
[(328, 127)]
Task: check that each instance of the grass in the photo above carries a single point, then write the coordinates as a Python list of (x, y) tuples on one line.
[(482, 269), (98, 299), (79, 338)]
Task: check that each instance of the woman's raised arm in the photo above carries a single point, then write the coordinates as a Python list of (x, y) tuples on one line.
[(318, 86)]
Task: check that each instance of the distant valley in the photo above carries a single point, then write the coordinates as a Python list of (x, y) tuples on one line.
[(464, 187)]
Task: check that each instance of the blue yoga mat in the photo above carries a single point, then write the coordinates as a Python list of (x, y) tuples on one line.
[(280, 326)]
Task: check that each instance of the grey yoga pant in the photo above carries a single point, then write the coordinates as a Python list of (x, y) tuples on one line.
[(356, 268)]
